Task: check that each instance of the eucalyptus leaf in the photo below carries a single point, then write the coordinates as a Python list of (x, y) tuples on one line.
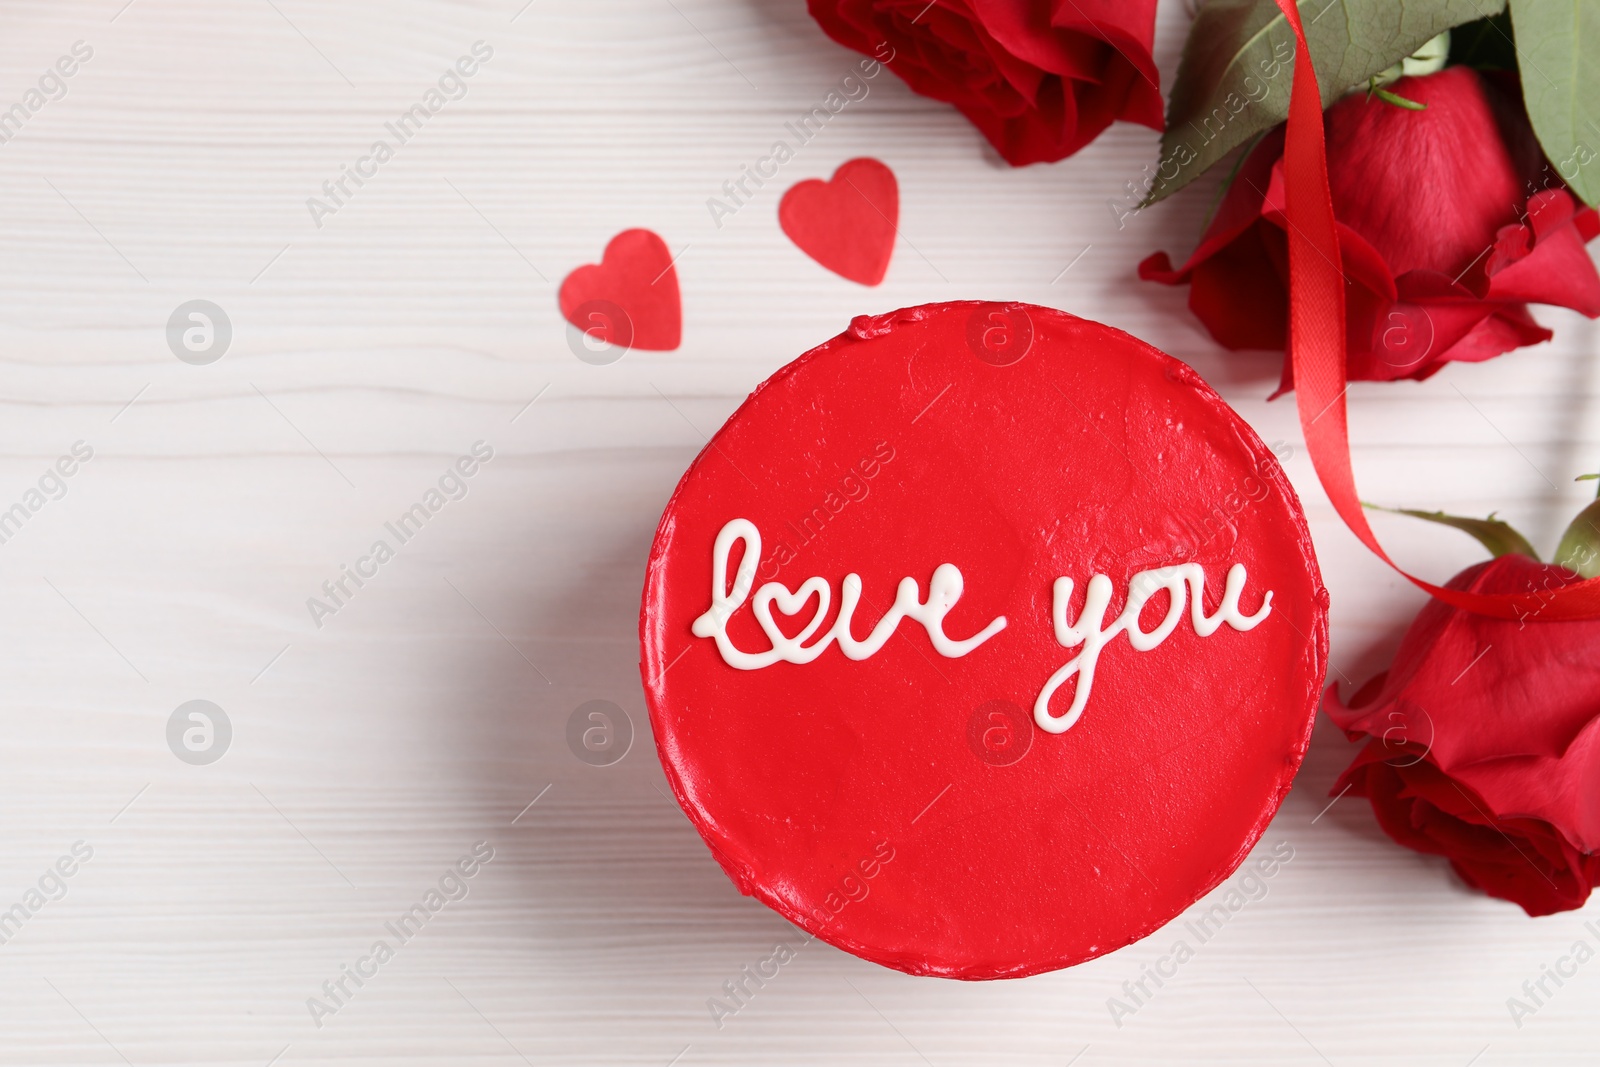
[(1238, 65), (1579, 549), (1558, 57), (1498, 537)]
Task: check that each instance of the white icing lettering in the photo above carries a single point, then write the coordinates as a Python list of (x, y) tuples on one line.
[(1187, 579), (944, 589)]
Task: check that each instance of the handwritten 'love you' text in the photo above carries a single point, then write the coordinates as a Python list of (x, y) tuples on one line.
[(944, 589), (1184, 584)]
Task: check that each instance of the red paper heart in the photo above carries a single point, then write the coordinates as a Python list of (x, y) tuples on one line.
[(847, 223), (630, 298)]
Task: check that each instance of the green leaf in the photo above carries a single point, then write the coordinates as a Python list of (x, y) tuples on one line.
[(1579, 549), (1238, 65), (1498, 537), (1558, 55)]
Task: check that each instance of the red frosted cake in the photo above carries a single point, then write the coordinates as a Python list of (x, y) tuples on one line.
[(982, 640)]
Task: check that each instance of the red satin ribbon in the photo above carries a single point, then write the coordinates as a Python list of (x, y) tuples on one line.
[(1317, 349)]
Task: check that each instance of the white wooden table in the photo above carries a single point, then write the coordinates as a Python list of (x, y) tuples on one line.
[(368, 755)]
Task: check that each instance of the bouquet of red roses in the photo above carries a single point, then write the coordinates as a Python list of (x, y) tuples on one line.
[(1444, 193), (1457, 165)]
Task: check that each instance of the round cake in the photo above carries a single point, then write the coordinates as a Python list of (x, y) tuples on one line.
[(982, 640)]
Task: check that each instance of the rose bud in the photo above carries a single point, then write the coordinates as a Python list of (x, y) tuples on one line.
[(1484, 734), (1039, 79), (1446, 227)]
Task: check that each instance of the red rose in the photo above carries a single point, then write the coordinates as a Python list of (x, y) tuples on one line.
[(1443, 246), (1039, 78), (1485, 742)]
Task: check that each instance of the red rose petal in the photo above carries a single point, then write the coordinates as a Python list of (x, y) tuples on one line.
[(1509, 328), (1214, 295), (1555, 270)]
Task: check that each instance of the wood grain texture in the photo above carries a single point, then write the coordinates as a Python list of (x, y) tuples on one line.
[(427, 714)]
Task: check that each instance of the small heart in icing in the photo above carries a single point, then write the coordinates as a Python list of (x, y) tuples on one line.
[(791, 604)]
